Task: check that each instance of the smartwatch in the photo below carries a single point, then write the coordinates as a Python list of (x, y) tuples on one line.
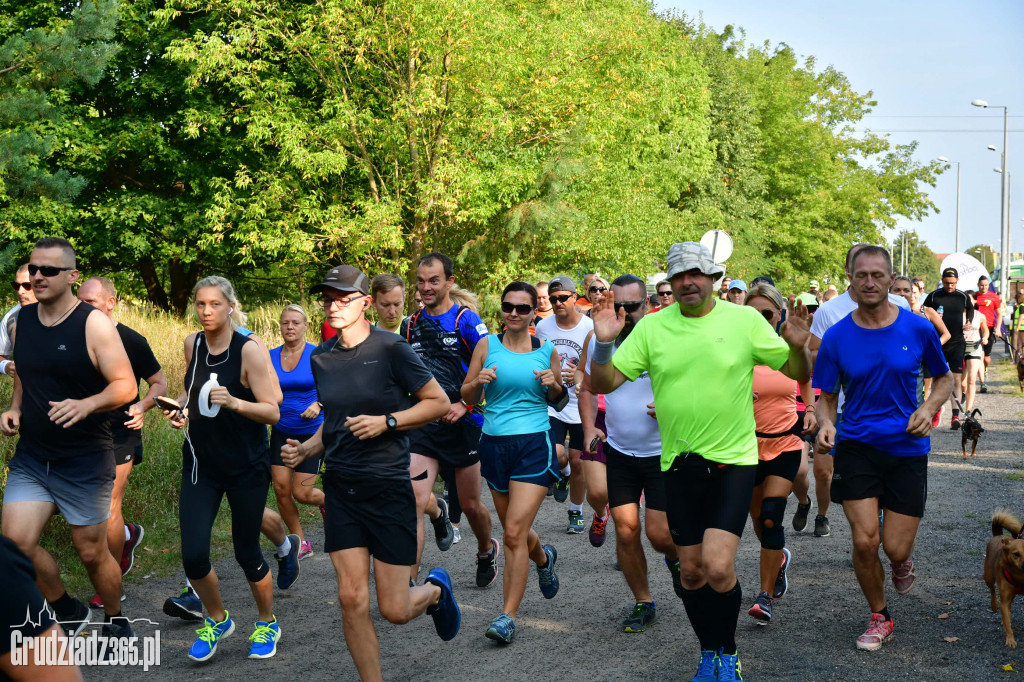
[(391, 422)]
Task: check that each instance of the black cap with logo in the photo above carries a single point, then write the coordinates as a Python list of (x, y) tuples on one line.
[(950, 272), (344, 278)]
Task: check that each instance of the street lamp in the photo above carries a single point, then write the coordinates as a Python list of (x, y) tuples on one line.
[(943, 159), (1004, 223)]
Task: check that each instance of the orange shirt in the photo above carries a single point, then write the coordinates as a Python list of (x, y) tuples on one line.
[(774, 411)]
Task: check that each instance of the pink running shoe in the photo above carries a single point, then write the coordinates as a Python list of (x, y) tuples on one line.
[(878, 633), (305, 549), (903, 575)]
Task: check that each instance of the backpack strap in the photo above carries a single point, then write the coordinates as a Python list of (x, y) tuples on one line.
[(408, 325), (458, 333)]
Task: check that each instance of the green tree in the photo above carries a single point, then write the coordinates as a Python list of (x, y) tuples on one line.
[(985, 254), (921, 260)]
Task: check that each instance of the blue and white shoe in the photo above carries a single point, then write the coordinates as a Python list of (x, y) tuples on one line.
[(546, 574), (288, 566), (707, 667), (185, 606), (210, 635), (264, 639), (729, 667), (503, 629), (446, 614)]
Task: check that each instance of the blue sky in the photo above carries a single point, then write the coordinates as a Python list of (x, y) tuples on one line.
[(924, 62)]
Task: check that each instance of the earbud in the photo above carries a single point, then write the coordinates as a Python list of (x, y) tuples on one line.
[(231, 311)]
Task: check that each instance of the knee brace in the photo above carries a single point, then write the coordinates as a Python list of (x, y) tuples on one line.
[(773, 533)]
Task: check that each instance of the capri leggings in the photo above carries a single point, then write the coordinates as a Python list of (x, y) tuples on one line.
[(197, 510)]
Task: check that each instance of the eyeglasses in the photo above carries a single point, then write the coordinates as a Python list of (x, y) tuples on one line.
[(519, 308), (665, 293), (598, 290), (328, 303), (21, 285), (46, 270), (630, 306), (560, 299)]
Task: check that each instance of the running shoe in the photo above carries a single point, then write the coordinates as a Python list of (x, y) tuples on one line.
[(782, 580), (641, 618), (937, 417), (444, 534), (288, 566), (210, 635), (954, 423), (185, 606), (117, 628), (878, 633), (575, 525), (800, 518), (821, 527), (456, 535), (762, 609), (446, 614), (903, 575), (598, 528), (76, 620), (562, 489), (135, 535), (707, 667), (503, 629), (546, 574), (729, 667), (97, 602), (677, 576), (264, 639), (487, 565), (984, 388), (305, 549)]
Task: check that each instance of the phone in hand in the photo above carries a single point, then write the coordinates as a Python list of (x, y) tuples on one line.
[(593, 444), (166, 403)]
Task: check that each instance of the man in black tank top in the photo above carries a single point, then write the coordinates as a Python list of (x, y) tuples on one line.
[(125, 421), (72, 369)]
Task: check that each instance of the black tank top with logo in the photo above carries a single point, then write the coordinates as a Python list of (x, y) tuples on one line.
[(230, 450), (54, 365)]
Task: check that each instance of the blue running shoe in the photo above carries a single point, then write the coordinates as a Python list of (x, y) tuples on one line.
[(729, 667), (264, 639), (288, 566), (503, 629), (446, 614), (210, 634), (707, 667), (185, 606), (546, 574)]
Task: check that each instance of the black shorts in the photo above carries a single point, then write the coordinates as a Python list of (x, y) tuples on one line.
[(277, 439), (454, 444), (703, 494), (630, 477), (785, 465), (128, 451), (862, 472), (954, 352), (376, 513), (557, 430), (987, 347)]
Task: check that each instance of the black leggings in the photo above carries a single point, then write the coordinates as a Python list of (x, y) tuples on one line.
[(198, 507), (454, 508)]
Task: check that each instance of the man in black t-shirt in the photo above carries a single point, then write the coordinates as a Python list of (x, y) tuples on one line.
[(364, 377), (957, 312), (125, 422)]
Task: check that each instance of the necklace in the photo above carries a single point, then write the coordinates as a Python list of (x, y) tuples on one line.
[(208, 354), (66, 313)]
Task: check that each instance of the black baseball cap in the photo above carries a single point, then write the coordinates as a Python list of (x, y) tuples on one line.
[(344, 278), (950, 272)]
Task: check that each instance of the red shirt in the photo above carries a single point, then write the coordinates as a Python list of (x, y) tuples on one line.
[(327, 332), (988, 304)]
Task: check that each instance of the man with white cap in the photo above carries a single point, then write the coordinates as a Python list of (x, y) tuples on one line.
[(700, 353)]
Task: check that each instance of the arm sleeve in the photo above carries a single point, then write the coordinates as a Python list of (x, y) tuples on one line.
[(768, 348), (407, 369), (632, 358), (472, 328), (826, 368)]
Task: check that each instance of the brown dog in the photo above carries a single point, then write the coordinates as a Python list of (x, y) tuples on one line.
[(1020, 371), (1004, 566)]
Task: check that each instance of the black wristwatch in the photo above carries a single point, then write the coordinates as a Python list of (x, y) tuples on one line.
[(391, 422)]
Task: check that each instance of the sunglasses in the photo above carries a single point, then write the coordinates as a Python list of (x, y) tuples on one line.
[(598, 290), (46, 270), (630, 306), (21, 285), (768, 314), (519, 308), (664, 293), (560, 299)]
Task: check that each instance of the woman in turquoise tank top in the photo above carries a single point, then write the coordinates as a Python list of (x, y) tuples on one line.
[(518, 376)]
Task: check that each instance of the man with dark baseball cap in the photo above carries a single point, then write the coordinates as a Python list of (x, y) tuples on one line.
[(344, 278), (957, 312)]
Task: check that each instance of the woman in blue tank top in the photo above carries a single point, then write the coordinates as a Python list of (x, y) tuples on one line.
[(517, 375), (300, 418)]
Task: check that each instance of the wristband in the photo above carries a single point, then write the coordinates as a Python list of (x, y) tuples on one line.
[(603, 352), (3, 366)]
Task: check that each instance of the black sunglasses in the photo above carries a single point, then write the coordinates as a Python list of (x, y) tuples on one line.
[(665, 293), (21, 285), (47, 270), (598, 290), (768, 314), (630, 306), (560, 299), (520, 308)]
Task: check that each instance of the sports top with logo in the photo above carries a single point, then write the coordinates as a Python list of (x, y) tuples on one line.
[(988, 304), (445, 344), (54, 365), (375, 377), (569, 344), (879, 370)]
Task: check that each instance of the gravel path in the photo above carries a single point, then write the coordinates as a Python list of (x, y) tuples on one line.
[(577, 634)]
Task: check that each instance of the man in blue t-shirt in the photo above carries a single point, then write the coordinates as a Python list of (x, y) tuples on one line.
[(875, 355), (444, 335)]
